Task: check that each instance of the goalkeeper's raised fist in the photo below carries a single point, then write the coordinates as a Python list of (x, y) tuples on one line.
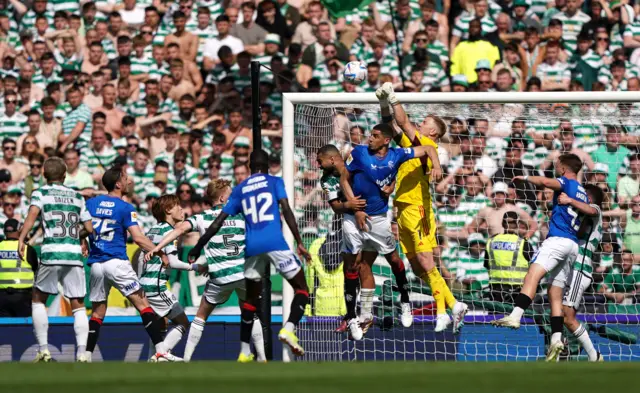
[(386, 91)]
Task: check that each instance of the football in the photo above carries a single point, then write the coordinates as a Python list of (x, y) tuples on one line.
[(355, 72)]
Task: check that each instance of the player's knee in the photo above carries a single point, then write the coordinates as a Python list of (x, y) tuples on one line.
[(426, 260)]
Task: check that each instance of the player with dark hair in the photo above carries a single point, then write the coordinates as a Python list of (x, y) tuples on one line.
[(113, 218), (257, 198), (368, 173), (577, 278), (558, 250), (330, 160)]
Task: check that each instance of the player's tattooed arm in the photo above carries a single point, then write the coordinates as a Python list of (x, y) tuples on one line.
[(584, 208), (204, 239), (540, 181), (436, 169), (290, 219)]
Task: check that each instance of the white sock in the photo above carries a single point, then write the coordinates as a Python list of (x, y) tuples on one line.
[(161, 347), (366, 304), (41, 325), (195, 333), (556, 337), (174, 337), (81, 327), (245, 348), (288, 326), (582, 335), (258, 340), (517, 313)]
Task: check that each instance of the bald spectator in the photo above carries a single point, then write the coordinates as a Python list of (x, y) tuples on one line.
[(113, 114)]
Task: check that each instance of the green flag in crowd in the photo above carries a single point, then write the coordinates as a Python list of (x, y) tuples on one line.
[(341, 8)]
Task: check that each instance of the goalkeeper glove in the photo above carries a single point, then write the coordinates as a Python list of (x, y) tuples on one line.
[(387, 88)]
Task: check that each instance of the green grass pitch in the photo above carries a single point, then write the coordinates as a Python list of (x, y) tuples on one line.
[(390, 377)]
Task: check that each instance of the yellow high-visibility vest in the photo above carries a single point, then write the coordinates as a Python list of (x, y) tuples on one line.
[(14, 272), (507, 264), (329, 294)]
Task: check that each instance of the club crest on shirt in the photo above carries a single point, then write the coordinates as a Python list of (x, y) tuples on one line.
[(349, 159)]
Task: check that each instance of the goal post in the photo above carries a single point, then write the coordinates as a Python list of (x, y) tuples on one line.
[(310, 121)]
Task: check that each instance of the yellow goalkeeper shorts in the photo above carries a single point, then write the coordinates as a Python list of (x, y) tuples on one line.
[(416, 228)]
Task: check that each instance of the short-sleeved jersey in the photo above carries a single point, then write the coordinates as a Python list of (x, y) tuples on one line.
[(588, 243), (412, 182), (112, 217), (565, 221), (370, 173), (224, 253), (154, 276), (62, 210), (256, 199)]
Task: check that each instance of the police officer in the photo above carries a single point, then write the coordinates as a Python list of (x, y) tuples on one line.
[(16, 276), (507, 259)]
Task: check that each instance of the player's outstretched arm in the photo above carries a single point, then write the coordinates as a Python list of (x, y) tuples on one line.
[(290, 219), (386, 94), (540, 181), (34, 211), (140, 239), (204, 239), (175, 263), (584, 208), (178, 231)]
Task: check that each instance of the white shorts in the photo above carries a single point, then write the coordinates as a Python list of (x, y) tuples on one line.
[(165, 304), (285, 262), (556, 255), (116, 273), (219, 294), (575, 288), (72, 279), (378, 238)]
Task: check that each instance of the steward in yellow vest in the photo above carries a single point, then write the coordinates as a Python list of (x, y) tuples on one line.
[(16, 275), (507, 259), (325, 278)]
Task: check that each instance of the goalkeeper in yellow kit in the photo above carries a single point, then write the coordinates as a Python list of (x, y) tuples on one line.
[(415, 214)]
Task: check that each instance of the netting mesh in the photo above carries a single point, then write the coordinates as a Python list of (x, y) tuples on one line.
[(485, 147)]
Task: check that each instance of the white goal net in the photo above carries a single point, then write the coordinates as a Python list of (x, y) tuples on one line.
[(487, 144)]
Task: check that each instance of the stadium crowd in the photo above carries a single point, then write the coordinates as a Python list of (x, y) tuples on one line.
[(163, 87)]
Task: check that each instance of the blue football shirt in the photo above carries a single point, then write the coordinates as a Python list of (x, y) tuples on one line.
[(256, 199), (369, 173), (565, 221), (111, 218)]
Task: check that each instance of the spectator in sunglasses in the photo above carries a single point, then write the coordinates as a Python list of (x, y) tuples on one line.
[(183, 172), (17, 169)]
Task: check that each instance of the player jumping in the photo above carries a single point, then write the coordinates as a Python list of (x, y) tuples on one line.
[(154, 274), (257, 199), (370, 169), (559, 249), (330, 160), (416, 218), (110, 266), (578, 278), (63, 211), (225, 254)]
